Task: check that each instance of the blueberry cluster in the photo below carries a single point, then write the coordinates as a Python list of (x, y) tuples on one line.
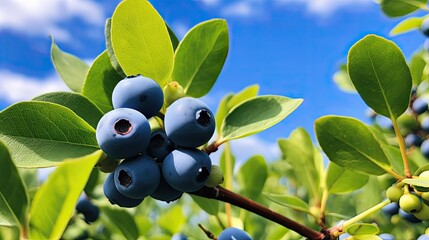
[(161, 163)]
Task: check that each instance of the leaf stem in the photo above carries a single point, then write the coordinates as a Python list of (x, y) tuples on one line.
[(323, 204), (228, 183), (401, 143)]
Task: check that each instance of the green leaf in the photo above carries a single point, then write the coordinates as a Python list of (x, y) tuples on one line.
[(173, 38), (343, 81), (289, 201), (252, 176), (141, 41), (364, 237), (71, 69), (121, 220), (172, 220), (7, 216), (227, 163), (362, 229), (56, 199), (399, 8), (113, 61), (381, 75), (12, 189), (42, 134), (298, 151), (100, 82), (200, 57), (417, 65), (92, 182), (406, 26), (79, 104), (210, 206), (351, 144), (340, 180), (417, 182), (257, 114)]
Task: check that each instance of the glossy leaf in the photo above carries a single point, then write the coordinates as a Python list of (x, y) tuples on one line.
[(343, 81), (200, 57), (362, 229), (406, 25), (399, 8), (14, 198), (71, 69), (257, 114), (141, 41), (113, 61), (56, 199), (120, 220), (100, 82), (381, 75), (210, 206), (252, 176), (289, 201), (417, 65), (79, 104), (351, 144), (42, 134), (340, 180)]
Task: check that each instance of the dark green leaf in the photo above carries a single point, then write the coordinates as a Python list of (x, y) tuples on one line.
[(174, 40), (100, 82), (42, 134), (257, 114), (350, 144), (381, 75), (399, 8), (417, 65), (362, 229), (121, 220), (71, 69), (55, 201), (7, 216), (210, 206), (340, 180), (79, 104), (142, 48), (92, 182), (252, 175), (406, 25), (109, 49), (200, 57), (289, 201)]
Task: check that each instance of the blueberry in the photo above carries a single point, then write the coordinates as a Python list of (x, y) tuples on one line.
[(425, 124), (423, 237), (391, 209), (408, 216), (424, 148), (413, 140), (159, 146), (139, 93), (420, 106), (137, 177), (189, 122), (88, 209), (233, 233), (386, 236), (424, 27), (123, 133), (186, 170), (115, 197), (179, 236), (165, 192)]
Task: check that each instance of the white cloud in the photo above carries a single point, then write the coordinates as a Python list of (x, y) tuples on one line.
[(209, 2), (44, 17), (326, 7), (16, 87), (239, 9)]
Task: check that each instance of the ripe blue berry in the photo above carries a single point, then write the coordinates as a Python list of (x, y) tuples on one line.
[(386, 236), (159, 146), (233, 233), (424, 27), (115, 197), (88, 209), (139, 93), (391, 209), (413, 140), (408, 216), (123, 133), (137, 177), (425, 124), (179, 236), (424, 148), (423, 237), (165, 192), (189, 122), (186, 170), (420, 106)]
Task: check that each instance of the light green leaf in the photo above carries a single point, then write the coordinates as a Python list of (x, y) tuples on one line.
[(257, 114), (417, 182), (120, 220), (141, 41), (172, 220), (381, 75), (417, 65), (252, 176), (340, 180), (12, 189), (100, 82), (7, 216), (200, 57), (399, 8), (79, 104), (113, 61), (55, 201), (227, 163), (42, 134), (406, 26), (210, 206), (71, 69), (362, 229), (289, 201), (351, 144), (222, 111), (343, 81)]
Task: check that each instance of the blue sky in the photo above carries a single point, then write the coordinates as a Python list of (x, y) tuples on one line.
[(288, 47)]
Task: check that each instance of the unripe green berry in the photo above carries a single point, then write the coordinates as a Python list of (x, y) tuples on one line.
[(107, 164), (425, 196), (172, 92), (423, 214), (216, 176), (410, 203), (393, 193)]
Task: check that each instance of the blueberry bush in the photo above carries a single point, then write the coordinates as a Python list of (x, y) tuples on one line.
[(131, 141)]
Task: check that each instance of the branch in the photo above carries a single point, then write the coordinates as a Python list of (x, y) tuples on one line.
[(224, 195)]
